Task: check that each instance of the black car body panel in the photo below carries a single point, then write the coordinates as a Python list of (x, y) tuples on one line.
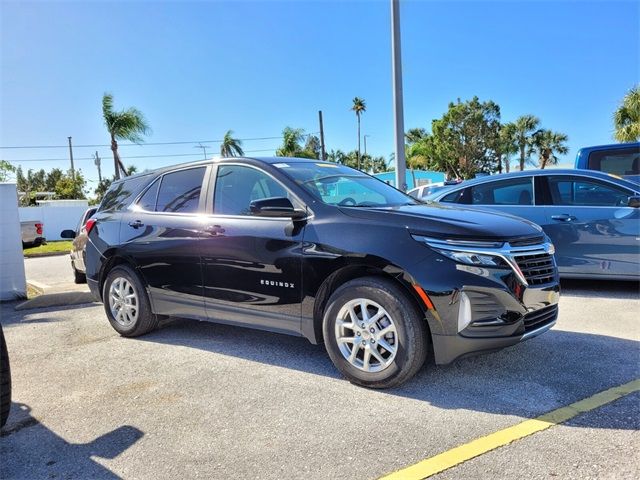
[(278, 273)]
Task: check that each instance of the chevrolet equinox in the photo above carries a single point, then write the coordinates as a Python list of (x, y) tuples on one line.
[(319, 250)]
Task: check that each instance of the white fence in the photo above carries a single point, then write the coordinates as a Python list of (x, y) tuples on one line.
[(56, 215), (12, 280)]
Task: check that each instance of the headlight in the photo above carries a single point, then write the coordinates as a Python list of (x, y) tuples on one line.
[(471, 258), (462, 251)]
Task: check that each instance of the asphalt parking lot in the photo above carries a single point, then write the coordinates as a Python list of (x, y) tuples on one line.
[(200, 400)]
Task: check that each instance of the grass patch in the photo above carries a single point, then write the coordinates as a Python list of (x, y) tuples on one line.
[(63, 246)]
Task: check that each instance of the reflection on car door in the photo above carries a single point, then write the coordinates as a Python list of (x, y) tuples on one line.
[(252, 265), (593, 230), (162, 232)]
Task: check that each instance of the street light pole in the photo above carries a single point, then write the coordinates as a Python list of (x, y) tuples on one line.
[(365, 144), (398, 110)]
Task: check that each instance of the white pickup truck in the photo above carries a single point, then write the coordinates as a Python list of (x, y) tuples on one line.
[(31, 231)]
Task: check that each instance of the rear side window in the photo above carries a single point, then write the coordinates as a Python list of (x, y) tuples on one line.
[(179, 191), (518, 191), (120, 194), (459, 196), (148, 200), (619, 161)]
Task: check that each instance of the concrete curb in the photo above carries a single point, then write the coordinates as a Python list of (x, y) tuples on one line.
[(47, 254)]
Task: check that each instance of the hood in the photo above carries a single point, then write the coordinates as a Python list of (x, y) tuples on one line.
[(453, 222)]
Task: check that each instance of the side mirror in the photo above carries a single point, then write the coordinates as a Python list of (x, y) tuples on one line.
[(68, 234), (634, 201), (275, 207)]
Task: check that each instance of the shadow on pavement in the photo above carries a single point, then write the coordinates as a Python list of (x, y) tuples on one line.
[(536, 376), (30, 450)]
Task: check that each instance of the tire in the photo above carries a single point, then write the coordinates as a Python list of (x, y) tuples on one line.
[(5, 381), (406, 333), (136, 318), (78, 277)]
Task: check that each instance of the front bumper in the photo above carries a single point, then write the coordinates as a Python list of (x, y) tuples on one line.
[(501, 310)]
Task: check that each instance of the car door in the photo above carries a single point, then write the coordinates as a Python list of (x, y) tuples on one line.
[(252, 265), (515, 196), (161, 233), (593, 229)]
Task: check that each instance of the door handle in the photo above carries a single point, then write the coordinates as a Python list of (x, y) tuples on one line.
[(136, 224), (214, 230), (565, 217)]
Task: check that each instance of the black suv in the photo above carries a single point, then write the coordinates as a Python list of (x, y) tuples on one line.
[(320, 250)]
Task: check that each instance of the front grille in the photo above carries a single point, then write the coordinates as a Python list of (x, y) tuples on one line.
[(525, 242), (540, 318), (537, 269)]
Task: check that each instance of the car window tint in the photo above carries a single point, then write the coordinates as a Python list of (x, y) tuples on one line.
[(518, 191), (619, 161), (453, 197), (148, 200), (237, 186), (180, 191), (566, 190)]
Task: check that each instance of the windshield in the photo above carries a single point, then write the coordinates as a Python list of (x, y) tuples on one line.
[(335, 184)]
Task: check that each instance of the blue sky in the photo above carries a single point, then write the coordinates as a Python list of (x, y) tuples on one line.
[(197, 69)]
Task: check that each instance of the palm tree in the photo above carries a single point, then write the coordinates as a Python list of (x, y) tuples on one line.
[(626, 118), (127, 124), (507, 146), (414, 135), (524, 128), (291, 140), (359, 107), (231, 147), (548, 143)]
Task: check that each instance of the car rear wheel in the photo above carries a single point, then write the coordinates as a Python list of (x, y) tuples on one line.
[(126, 303), (374, 334), (5, 381)]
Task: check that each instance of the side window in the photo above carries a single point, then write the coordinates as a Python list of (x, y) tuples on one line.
[(180, 191), (237, 186), (567, 190), (456, 197), (148, 200), (619, 161), (518, 191)]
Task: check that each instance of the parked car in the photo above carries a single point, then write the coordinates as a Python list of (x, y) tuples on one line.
[(273, 244), (592, 218), (79, 236), (31, 231), (5, 381), (621, 159)]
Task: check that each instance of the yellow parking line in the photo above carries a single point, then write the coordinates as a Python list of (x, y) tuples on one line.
[(482, 445)]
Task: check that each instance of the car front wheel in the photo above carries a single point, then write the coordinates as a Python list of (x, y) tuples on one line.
[(126, 303), (374, 334)]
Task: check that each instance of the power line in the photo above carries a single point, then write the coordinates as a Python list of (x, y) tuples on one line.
[(128, 157), (145, 143)]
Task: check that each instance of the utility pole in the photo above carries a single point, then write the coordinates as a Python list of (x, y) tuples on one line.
[(96, 161), (73, 169), (398, 109), (323, 153), (204, 148)]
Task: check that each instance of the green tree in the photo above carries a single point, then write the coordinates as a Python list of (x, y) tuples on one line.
[(30, 184), (6, 169), (70, 186), (52, 179), (548, 144), (292, 144), (359, 106), (463, 141), (626, 118), (127, 124), (524, 128), (231, 147), (415, 135), (506, 147)]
